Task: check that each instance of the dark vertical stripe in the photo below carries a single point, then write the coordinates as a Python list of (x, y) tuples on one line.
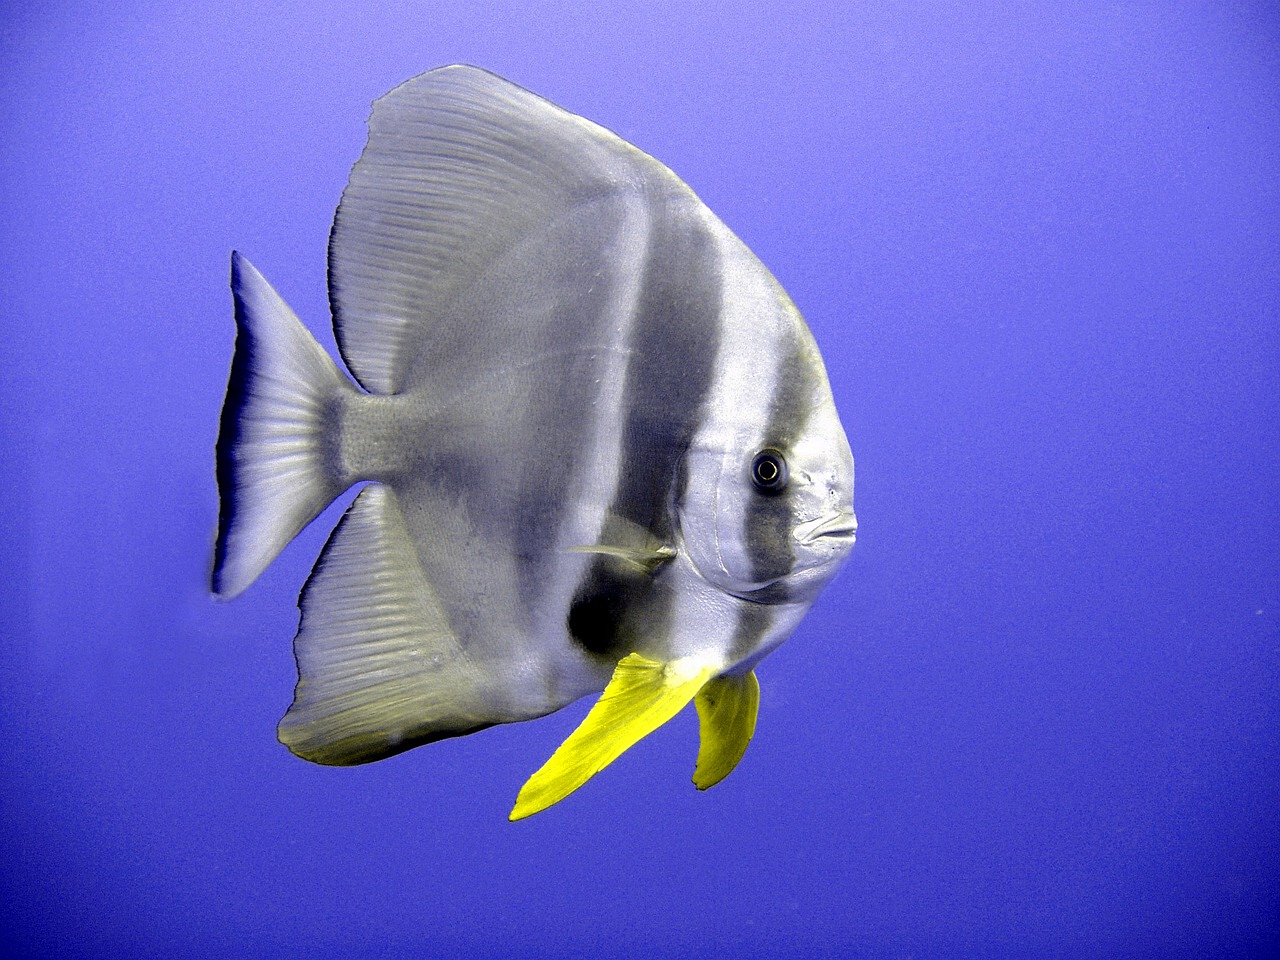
[(557, 428), (770, 517), (754, 622), (674, 341)]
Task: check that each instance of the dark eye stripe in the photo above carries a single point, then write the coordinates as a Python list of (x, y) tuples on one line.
[(768, 520)]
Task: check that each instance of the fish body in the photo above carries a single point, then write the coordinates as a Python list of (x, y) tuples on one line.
[(603, 449)]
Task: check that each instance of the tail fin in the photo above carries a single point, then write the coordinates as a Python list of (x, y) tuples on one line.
[(284, 398)]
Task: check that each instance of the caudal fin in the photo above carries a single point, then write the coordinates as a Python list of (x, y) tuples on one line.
[(283, 398)]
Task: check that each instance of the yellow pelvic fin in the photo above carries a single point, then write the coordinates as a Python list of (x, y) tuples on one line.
[(642, 696), (727, 708)]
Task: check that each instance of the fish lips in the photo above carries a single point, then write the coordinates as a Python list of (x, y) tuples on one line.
[(838, 526)]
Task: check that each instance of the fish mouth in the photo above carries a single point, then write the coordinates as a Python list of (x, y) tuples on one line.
[(841, 525)]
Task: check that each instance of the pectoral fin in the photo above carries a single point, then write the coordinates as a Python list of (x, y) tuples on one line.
[(645, 560), (642, 696), (727, 708), (631, 543)]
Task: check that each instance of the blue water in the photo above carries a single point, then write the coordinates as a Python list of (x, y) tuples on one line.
[(1037, 714)]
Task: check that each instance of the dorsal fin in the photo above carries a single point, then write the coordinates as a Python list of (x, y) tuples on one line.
[(460, 165)]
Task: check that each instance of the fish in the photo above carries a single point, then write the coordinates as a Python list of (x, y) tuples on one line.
[(597, 444)]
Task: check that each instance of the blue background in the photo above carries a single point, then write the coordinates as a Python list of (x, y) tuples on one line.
[(1035, 716)]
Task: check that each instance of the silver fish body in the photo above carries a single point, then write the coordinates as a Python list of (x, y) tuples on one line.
[(601, 439)]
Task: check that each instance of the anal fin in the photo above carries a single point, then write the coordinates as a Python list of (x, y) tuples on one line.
[(379, 670), (642, 695), (727, 708)]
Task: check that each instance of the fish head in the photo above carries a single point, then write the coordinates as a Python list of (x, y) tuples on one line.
[(767, 514)]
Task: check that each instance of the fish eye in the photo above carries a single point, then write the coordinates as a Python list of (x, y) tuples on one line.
[(769, 471)]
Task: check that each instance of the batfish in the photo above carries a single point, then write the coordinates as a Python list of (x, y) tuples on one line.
[(601, 450)]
